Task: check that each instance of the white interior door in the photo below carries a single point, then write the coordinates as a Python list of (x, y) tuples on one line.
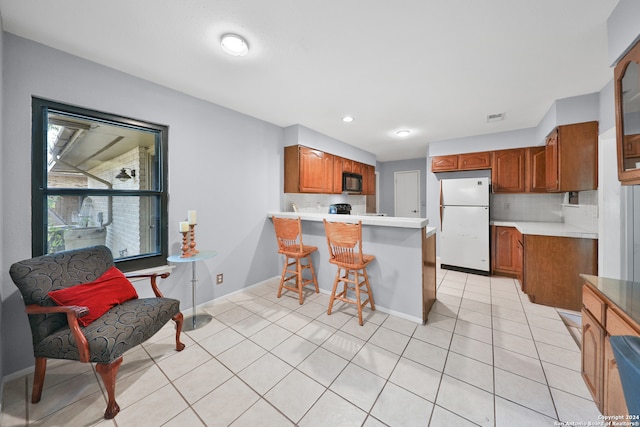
[(407, 193)]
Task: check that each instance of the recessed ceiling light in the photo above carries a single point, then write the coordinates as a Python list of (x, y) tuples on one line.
[(403, 133), (347, 119), (234, 45)]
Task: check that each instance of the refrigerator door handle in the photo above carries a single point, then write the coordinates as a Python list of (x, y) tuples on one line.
[(441, 216)]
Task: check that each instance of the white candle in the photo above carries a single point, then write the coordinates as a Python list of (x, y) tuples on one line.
[(184, 226), (192, 217)]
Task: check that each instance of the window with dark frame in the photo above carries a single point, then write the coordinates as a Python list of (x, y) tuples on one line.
[(98, 179)]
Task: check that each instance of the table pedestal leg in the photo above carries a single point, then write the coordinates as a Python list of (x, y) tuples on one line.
[(195, 321)]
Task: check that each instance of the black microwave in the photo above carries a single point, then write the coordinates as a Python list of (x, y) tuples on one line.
[(351, 182)]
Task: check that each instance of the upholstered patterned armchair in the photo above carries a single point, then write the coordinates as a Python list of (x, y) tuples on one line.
[(57, 330)]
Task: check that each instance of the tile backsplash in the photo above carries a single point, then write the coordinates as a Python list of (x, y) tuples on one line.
[(527, 207), (319, 203), (552, 207)]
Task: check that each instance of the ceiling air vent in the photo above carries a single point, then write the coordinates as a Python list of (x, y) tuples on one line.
[(495, 117)]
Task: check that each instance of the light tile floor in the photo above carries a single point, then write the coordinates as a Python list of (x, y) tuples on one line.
[(487, 356)]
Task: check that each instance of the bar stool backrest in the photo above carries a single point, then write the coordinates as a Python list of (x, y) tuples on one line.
[(288, 234), (344, 241)]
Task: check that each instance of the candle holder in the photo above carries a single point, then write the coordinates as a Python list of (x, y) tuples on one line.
[(185, 245), (192, 244)]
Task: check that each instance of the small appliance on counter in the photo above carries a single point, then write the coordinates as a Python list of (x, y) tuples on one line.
[(340, 209)]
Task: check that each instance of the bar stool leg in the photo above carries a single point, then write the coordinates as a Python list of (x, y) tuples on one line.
[(313, 274), (284, 274), (369, 293), (358, 302), (299, 279), (333, 292)]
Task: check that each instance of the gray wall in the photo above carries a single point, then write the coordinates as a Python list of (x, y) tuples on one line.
[(226, 165), (3, 179), (386, 179), (623, 28)]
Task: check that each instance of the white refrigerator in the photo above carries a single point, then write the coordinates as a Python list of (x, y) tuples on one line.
[(464, 224)]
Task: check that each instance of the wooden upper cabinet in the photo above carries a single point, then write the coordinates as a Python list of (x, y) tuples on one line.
[(307, 170), (444, 163), (536, 170), (508, 171), (337, 174), (472, 161), (572, 158), (460, 162), (627, 99), (368, 180)]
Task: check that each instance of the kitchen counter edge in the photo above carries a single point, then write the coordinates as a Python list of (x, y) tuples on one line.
[(556, 229), (382, 221)]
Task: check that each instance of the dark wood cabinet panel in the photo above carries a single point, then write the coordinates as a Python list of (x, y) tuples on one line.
[(461, 162), (572, 158), (307, 170), (553, 266), (536, 170), (599, 367), (508, 171), (473, 161), (444, 163), (592, 356), (506, 257)]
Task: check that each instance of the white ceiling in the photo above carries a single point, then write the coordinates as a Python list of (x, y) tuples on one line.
[(437, 68)]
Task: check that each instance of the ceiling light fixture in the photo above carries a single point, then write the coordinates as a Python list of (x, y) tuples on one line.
[(234, 45), (347, 119), (402, 133)]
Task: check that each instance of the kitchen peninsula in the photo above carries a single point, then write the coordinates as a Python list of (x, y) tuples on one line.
[(403, 276)]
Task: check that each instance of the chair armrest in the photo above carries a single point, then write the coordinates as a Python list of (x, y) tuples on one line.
[(153, 277), (73, 312)]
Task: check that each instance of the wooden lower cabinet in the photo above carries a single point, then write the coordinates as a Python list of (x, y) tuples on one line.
[(592, 356), (506, 258), (552, 268), (599, 367)]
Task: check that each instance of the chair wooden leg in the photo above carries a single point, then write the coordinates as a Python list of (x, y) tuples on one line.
[(38, 379), (366, 281), (179, 319), (333, 292), (358, 302), (284, 274), (313, 274), (108, 373), (299, 280)]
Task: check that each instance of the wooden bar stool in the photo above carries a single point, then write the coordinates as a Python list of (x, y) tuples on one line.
[(289, 236), (345, 251)]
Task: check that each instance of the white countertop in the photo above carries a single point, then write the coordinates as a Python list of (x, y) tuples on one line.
[(382, 221), (558, 229)]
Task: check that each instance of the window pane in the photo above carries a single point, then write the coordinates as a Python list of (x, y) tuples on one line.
[(128, 225), (87, 153)]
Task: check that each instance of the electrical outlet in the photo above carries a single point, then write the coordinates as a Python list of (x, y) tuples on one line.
[(507, 206), (219, 279)]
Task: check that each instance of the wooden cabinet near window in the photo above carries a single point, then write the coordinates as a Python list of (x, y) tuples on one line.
[(368, 180), (307, 170), (572, 158), (508, 171), (461, 162)]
